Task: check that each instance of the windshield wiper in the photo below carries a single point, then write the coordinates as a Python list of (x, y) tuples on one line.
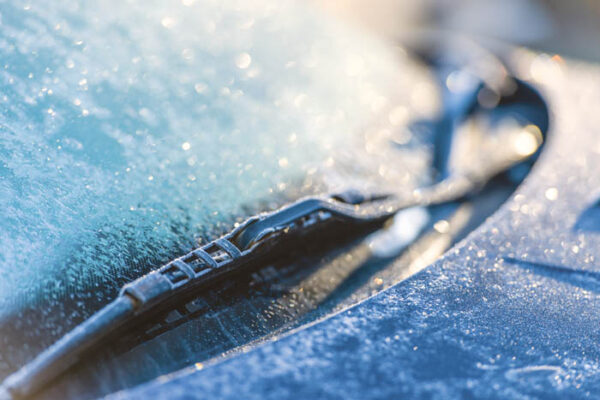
[(260, 235)]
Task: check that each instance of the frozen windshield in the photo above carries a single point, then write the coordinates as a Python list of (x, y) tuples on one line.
[(131, 129)]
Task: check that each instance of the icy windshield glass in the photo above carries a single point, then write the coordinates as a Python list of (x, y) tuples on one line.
[(131, 130)]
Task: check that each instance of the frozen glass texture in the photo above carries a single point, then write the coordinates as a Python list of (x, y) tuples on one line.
[(131, 130)]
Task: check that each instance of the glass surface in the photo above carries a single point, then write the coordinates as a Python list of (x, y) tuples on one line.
[(131, 130)]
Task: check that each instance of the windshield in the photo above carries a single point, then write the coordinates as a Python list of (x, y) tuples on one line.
[(129, 131)]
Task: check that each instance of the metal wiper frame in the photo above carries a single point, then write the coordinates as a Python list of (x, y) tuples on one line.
[(250, 240)]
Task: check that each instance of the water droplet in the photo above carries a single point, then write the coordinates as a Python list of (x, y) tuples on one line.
[(243, 60), (528, 140), (551, 193), (167, 22)]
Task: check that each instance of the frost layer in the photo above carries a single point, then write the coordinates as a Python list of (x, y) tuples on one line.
[(130, 129)]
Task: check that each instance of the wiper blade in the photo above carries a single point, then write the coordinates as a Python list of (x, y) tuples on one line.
[(247, 243), (255, 237)]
